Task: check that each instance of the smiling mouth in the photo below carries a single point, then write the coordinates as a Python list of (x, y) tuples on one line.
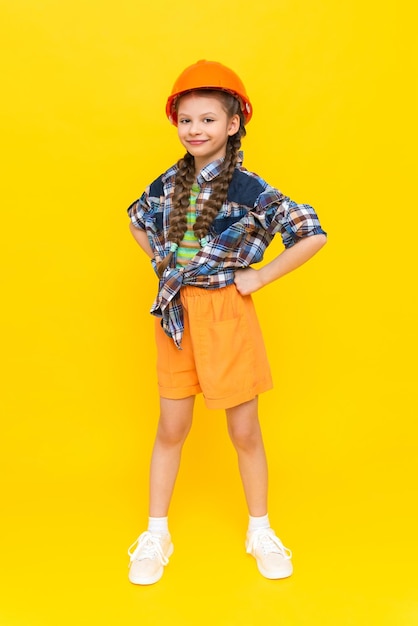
[(196, 142)]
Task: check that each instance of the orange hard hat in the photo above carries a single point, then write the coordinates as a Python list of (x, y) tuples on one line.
[(208, 75)]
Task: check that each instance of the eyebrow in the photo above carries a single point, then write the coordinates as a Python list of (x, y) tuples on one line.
[(201, 114)]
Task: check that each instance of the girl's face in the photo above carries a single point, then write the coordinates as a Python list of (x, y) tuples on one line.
[(204, 127)]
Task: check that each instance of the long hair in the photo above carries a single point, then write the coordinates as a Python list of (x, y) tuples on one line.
[(185, 177)]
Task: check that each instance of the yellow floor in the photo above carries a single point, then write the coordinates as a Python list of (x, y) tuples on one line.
[(64, 556)]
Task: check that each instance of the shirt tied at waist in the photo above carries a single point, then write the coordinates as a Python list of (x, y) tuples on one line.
[(167, 304)]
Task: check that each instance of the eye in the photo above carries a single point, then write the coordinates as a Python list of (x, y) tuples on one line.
[(208, 120), (184, 121)]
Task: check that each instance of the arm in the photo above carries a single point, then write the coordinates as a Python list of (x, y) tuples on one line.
[(141, 238), (249, 280)]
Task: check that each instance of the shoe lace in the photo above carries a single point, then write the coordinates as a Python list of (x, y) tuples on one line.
[(268, 542), (148, 546)]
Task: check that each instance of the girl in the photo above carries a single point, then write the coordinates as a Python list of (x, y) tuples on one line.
[(203, 223)]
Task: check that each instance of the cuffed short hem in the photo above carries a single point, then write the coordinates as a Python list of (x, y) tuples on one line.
[(216, 403), (237, 398), (178, 393)]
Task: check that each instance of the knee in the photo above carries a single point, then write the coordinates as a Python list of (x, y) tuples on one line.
[(171, 434), (245, 438)]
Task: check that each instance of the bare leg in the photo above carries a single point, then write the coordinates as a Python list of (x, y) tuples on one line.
[(245, 432), (174, 425)]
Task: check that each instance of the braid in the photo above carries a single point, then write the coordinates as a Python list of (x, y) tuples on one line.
[(184, 180), (220, 187), (181, 198)]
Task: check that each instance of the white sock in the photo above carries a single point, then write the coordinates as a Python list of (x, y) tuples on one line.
[(258, 522), (158, 525)]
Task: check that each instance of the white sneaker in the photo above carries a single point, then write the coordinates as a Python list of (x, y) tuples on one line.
[(149, 554), (273, 559)]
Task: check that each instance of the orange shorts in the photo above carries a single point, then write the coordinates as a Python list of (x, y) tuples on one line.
[(223, 354)]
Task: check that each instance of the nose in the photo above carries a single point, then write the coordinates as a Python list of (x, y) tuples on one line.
[(194, 128)]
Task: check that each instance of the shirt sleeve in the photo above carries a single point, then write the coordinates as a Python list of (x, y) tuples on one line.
[(137, 210), (292, 220)]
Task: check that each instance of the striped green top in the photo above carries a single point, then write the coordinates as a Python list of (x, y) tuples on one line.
[(189, 244)]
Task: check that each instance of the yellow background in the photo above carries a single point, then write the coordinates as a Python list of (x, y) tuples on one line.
[(84, 85)]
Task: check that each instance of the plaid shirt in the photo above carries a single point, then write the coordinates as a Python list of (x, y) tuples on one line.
[(245, 225)]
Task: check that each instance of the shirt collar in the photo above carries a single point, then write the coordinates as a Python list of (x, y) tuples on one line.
[(212, 170)]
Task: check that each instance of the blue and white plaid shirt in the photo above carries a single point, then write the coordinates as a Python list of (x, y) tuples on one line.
[(245, 225)]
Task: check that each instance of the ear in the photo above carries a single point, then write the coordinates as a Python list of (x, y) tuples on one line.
[(234, 125)]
